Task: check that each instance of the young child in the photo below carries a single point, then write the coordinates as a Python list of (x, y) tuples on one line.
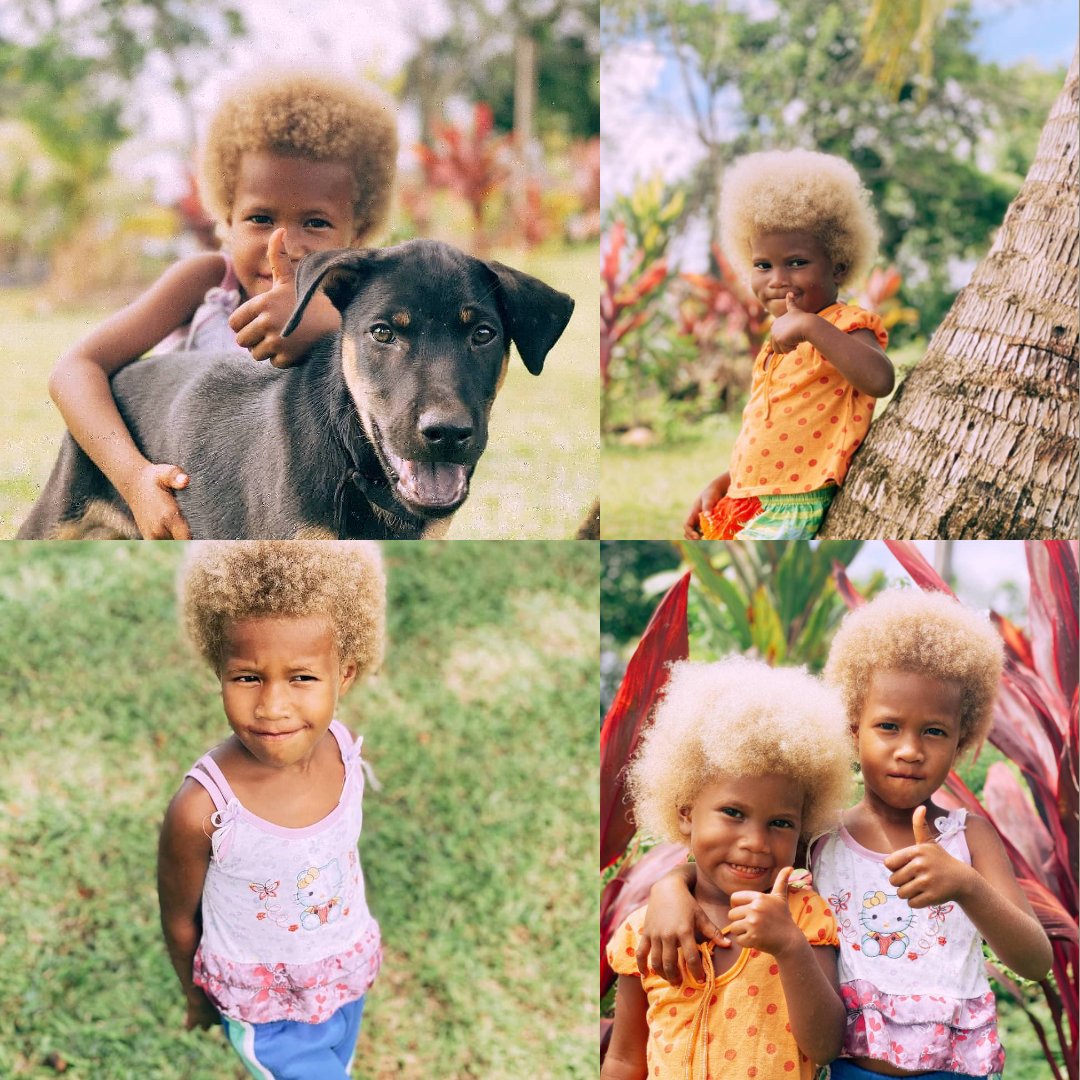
[(262, 896), (292, 163), (916, 889), (801, 226), (740, 761)]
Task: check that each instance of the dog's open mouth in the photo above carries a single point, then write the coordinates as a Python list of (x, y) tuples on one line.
[(429, 485)]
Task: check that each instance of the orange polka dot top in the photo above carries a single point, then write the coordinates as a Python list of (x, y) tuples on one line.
[(804, 420), (733, 1025)]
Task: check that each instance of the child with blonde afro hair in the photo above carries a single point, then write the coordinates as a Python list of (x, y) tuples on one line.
[(293, 162), (262, 897), (740, 762), (916, 888), (799, 224)]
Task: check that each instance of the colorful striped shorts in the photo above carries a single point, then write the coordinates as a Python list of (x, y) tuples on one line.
[(768, 517)]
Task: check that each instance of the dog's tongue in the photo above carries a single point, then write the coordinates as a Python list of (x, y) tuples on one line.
[(432, 483)]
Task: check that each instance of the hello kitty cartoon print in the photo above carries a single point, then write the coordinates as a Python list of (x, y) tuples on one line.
[(884, 919), (270, 951), (319, 894), (912, 979)]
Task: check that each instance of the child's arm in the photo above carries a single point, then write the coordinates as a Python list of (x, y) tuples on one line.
[(856, 355), (625, 1058), (807, 972), (709, 497), (671, 919), (987, 891), (183, 857), (259, 322), (79, 384)]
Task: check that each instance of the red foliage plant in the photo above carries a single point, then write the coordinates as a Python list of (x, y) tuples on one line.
[(665, 640), (717, 302), (471, 164), (624, 293)]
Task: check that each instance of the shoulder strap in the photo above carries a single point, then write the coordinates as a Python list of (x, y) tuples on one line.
[(206, 772)]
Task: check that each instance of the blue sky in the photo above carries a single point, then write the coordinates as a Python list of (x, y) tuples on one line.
[(1043, 30)]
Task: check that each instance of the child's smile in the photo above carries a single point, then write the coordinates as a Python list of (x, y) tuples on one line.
[(742, 831), (792, 262)]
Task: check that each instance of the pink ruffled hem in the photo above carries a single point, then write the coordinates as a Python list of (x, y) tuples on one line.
[(922, 1031), (308, 993)]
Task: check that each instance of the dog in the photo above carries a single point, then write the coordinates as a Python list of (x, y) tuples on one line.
[(375, 434)]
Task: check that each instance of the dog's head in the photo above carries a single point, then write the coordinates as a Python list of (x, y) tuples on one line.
[(426, 334)]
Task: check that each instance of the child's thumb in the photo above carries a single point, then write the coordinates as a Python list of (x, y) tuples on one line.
[(921, 829), (281, 266), (780, 885), (791, 304)]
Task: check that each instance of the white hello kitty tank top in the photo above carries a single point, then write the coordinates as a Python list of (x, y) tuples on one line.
[(286, 931)]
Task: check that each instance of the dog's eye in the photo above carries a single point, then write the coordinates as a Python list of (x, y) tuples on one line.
[(382, 333), (482, 335)]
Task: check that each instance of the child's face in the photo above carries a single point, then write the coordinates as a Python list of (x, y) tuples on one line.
[(280, 683), (743, 830), (792, 262), (908, 733), (311, 200)]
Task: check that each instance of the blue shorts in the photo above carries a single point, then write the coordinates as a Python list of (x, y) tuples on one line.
[(289, 1050), (844, 1069)]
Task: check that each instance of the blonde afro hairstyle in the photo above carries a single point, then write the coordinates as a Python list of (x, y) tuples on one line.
[(304, 115), (222, 582), (740, 717), (929, 633), (799, 191)]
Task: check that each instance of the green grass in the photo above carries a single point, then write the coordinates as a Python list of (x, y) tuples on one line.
[(536, 480), (646, 493), (479, 851)]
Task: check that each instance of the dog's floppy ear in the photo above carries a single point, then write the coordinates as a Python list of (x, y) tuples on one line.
[(536, 314), (339, 272)]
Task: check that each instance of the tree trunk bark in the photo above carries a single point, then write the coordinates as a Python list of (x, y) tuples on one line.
[(980, 440)]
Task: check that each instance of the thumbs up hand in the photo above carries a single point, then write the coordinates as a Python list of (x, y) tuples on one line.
[(759, 920), (926, 873), (258, 322), (791, 328)]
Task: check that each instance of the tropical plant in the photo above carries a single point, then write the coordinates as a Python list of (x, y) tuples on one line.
[(776, 600), (629, 291), (652, 212), (1035, 726), (472, 164)]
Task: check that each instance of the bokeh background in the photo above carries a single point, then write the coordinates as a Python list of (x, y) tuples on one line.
[(477, 850), (101, 110)]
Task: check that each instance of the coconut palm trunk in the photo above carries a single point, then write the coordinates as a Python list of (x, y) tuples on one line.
[(980, 441)]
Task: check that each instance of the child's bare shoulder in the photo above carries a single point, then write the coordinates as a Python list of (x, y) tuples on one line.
[(189, 809), (198, 272)]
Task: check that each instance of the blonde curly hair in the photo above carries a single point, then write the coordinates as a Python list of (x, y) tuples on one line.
[(930, 633), (799, 191), (740, 717), (221, 582), (304, 115)]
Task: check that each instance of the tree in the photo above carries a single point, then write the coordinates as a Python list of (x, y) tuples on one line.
[(980, 440)]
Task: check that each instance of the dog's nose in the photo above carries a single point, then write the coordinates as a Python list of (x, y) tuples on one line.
[(445, 430)]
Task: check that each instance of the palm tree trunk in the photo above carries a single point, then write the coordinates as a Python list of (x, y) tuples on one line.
[(980, 441)]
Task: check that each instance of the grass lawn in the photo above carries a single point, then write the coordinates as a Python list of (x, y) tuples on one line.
[(646, 493), (536, 480), (479, 851)]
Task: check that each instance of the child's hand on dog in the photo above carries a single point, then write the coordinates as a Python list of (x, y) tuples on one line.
[(792, 328), (153, 505), (258, 322)]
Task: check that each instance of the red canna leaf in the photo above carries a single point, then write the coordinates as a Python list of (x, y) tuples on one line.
[(848, 593), (1014, 814), (913, 561), (1052, 617), (665, 640), (1056, 921)]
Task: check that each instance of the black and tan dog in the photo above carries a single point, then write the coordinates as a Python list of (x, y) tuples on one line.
[(377, 432)]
